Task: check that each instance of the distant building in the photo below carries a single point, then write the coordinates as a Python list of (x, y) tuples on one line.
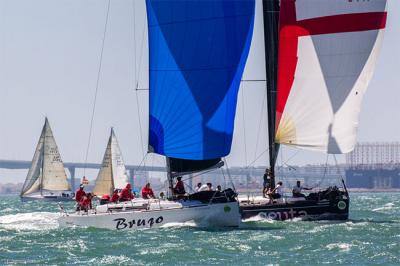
[(374, 165)]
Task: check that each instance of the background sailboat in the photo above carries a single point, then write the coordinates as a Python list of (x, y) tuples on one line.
[(46, 178), (112, 174), (320, 57)]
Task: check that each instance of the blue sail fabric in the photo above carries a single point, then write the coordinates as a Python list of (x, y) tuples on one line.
[(197, 54)]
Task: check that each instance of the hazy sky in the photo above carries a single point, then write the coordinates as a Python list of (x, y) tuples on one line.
[(49, 58)]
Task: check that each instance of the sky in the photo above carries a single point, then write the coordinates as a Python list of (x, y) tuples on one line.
[(49, 62)]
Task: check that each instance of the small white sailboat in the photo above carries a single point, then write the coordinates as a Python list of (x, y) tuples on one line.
[(112, 174), (46, 179)]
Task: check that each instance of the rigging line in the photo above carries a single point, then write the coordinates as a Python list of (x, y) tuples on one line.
[(134, 40), (325, 171), (244, 126), (97, 86), (229, 174), (140, 164), (337, 166), (139, 69), (259, 156), (290, 158), (260, 123), (140, 125)]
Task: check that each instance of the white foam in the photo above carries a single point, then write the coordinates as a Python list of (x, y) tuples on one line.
[(258, 218), (30, 221), (6, 210), (185, 224), (345, 247), (387, 206), (115, 260)]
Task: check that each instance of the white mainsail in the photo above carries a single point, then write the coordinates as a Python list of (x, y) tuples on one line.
[(112, 174), (54, 176), (47, 170)]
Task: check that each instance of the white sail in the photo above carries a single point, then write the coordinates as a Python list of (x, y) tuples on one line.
[(327, 53), (47, 169), (54, 176), (118, 167), (33, 180), (112, 174)]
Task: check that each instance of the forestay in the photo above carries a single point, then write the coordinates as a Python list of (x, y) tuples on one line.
[(197, 53), (327, 53)]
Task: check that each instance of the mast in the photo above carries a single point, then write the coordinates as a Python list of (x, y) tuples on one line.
[(169, 177), (271, 25)]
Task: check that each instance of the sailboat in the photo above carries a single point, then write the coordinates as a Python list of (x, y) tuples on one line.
[(320, 56), (197, 54), (46, 179), (112, 174)]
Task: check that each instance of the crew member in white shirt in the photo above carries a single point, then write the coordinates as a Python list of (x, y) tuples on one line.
[(297, 190), (276, 193)]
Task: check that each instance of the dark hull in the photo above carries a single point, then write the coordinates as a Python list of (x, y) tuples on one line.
[(326, 209)]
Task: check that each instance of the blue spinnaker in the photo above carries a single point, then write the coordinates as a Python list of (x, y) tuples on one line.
[(198, 50)]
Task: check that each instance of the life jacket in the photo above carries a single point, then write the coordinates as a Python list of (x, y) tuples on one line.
[(126, 194), (114, 197), (79, 194), (86, 203), (179, 188), (147, 192)]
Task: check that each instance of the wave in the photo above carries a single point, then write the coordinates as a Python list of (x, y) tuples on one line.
[(37, 221), (259, 218), (178, 225), (345, 247), (386, 207)]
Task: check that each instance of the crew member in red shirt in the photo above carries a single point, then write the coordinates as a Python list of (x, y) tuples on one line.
[(115, 196), (79, 194), (147, 192), (179, 188), (86, 202), (126, 193)]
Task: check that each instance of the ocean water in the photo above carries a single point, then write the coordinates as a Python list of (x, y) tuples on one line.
[(29, 234)]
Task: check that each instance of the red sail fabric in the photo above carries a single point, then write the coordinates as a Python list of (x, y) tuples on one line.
[(316, 81)]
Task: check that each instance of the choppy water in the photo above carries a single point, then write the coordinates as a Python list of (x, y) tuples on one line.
[(29, 233)]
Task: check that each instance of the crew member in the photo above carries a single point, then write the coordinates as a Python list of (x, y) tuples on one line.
[(86, 202), (205, 187), (79, 194), (197, 187), (115, 196), (126, 193), (147, 192), (297, 190), (179, 188), (267, 181), (276, 193)]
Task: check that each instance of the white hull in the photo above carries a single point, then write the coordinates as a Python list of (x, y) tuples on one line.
[(216, 214), (68, 196)]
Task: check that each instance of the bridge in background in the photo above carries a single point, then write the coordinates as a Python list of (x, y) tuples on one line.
[(131, 169)]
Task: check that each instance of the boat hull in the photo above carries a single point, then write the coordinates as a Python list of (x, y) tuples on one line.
[(57, 198), (337, 209), (220, 215)]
